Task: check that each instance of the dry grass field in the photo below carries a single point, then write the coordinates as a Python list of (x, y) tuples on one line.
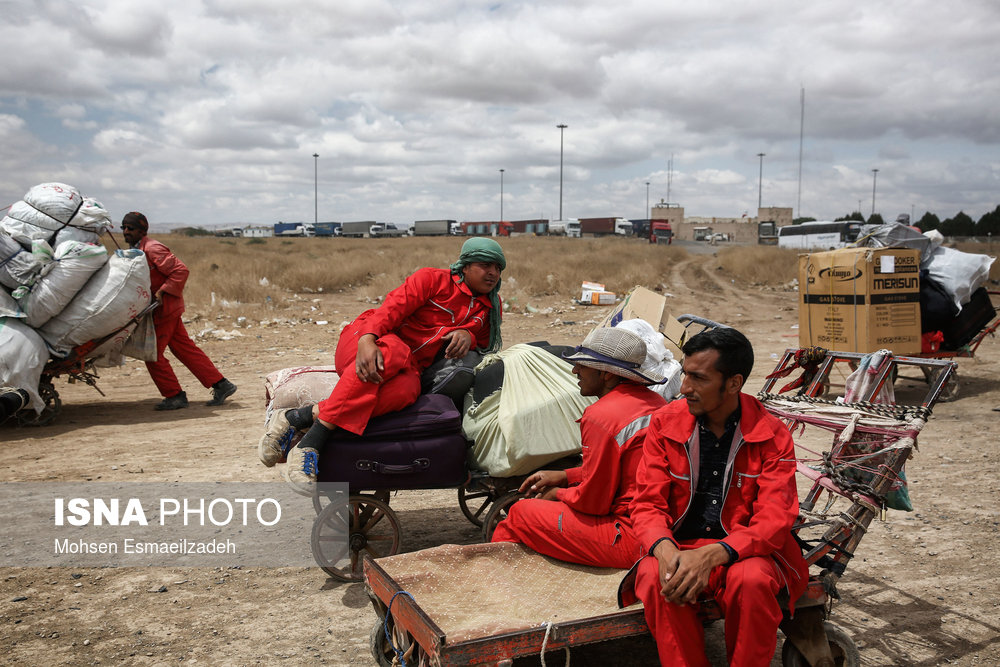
[(258, 276)]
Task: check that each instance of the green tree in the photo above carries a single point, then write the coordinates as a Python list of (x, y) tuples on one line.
[(853, 215), (799, 221), (960, 225), (875, 219), (928, 222), (989, 223)]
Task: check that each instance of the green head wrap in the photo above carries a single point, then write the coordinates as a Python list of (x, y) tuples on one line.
[(482, 249)]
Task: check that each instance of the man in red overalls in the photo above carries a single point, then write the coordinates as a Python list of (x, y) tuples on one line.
[(714, 510), (167, 277), (580, 515), (381, 354)]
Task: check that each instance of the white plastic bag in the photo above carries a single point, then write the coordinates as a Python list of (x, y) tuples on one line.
[(22, 357), (659, 359), (959, 273)]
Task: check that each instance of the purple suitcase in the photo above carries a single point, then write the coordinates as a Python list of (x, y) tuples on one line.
[(419, 447)]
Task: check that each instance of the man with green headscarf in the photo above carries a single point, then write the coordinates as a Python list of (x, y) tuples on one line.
[(381, 354)]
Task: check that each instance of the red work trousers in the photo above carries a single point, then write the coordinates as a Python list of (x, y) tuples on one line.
[(353, 402), (746, 592), (170, 332), (554, 529)]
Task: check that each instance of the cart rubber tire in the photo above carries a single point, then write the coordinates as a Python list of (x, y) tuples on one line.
[(372, 528), (379, 645), (498, 512), (50, 410), (475, 502), (845, 651)]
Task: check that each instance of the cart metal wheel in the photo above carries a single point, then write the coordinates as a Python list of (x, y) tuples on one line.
[(51, 409), (474, 499), (845, 651), (949, 392), (498, 512), (342, 535)]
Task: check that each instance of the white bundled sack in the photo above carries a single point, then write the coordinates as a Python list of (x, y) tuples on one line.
[(90, 223), (112, 297), (19, 266), (531, 420), (22, 357), (72, 265), (8, 306), (45, 209), (959, 273)]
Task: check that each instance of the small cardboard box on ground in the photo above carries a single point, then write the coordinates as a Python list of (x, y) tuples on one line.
[(860, 300), (649, 306), (594, 294)]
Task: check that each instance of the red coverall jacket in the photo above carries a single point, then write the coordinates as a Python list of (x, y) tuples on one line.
[(760, 504), (166, 272), (606, 483), (429, 304)]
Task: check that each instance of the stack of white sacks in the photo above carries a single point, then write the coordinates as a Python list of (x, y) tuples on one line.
[(61, 287)]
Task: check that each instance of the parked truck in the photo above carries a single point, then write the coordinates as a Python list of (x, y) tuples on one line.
[(501, 228), (357, 229), (569, 227), (386, 230), (432, 227), (536, 227), (605, 226), (294, 229), (767, 232), (660, 231), (327, 229)]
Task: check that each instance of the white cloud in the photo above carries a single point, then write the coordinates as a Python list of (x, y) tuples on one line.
[(208, 111)]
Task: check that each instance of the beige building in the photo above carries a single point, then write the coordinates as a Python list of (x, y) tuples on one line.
[(737, 230)]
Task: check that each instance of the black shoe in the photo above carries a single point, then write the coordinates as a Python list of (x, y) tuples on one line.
[(221, 390), (173, 402)]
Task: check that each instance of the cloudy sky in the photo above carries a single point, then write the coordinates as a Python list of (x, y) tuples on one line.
[(209, 112)]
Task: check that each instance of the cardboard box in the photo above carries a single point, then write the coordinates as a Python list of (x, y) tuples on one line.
[(602, 298), (649, 306), (860, 300)]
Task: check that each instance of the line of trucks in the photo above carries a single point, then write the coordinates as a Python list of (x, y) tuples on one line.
[(657, 231)]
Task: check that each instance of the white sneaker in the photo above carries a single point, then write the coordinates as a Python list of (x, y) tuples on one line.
[(302, 470), (277, 440)]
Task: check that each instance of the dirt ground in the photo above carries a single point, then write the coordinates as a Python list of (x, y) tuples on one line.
[(922, 591)]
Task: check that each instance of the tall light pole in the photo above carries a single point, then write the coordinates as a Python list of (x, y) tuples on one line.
[(874, 181), (647, 197), (760, 181), (562, 128), (315, 187), (501, 195)]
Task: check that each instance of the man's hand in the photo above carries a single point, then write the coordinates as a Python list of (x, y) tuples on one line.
[(368, 363), (158, 296), (459, 343), (684, 574), (543, 484)]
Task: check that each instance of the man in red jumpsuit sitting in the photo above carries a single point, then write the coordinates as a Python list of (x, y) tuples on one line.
[(581, 514), (714, 510), (167, 277), (381, 354)]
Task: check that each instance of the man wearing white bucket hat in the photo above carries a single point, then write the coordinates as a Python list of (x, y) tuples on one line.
[(581, 514)]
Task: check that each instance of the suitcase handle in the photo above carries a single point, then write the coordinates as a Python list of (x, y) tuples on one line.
[(383, 469)]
